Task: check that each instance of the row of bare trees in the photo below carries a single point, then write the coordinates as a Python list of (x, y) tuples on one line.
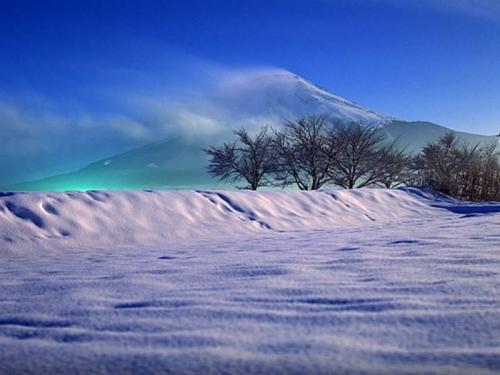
[(312, 152), (461, 170)]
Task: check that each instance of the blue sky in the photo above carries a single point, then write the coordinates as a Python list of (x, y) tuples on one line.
[(71, 71)]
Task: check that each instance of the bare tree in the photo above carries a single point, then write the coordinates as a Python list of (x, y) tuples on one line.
[(249, 158), (394, 167), (467, 162), (461, 170), (437, 164), (304, 153), (310, 153), (363, 157), (490, 173)]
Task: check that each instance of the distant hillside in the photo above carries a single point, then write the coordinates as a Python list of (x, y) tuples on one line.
[(416, 134)]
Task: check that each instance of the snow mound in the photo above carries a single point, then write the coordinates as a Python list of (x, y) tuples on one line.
[(33, 221), (357, 282)]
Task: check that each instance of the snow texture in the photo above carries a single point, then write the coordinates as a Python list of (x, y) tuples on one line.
[(31, 221), (367, 281)]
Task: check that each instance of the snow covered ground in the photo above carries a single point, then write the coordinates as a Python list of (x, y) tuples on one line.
[(368, 281)]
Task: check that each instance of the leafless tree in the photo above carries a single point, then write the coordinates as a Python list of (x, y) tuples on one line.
[(461, 170), (304, 153), (311, 152), (490, 173), (363, 157), (249, 158), (395, 167), (467, 177), (437, 164)]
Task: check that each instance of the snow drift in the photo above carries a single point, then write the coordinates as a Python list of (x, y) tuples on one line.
[(32, 221), (364, 282)]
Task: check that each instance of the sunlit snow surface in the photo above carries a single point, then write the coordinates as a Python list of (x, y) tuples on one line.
[(415, 289)]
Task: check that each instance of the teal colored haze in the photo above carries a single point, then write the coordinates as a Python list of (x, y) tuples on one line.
[(81, 81)]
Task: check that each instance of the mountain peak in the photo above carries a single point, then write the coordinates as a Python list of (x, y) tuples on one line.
[(276, 95)]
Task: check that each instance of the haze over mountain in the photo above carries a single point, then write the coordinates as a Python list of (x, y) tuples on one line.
[(251, 100)]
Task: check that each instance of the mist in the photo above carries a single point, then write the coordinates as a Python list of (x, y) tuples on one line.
[(117, 108)]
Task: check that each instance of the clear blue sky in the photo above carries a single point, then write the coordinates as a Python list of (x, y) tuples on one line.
[(436, 60)]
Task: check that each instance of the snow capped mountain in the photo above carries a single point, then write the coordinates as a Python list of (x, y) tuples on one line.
[(250, 100), (276, 96)]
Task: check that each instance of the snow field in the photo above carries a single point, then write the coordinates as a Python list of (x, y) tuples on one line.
[(369, 281)]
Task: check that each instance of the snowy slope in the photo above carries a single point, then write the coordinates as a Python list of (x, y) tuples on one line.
[(30, 221), (370, 282), (415, 135), (171, 163), (276, 96)]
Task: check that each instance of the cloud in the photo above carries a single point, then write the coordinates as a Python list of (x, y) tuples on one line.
[(207, 109), (489, 9), (483, 9), (124, 127), (26, 131), (37, 130), (108, 104), (165, 116)]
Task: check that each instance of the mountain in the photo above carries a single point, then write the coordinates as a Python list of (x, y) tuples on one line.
[(415, 135), (278, 96), (267, 98), (170, 164)]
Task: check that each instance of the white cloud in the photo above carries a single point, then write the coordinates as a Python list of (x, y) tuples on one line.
[(124, 126), (32, 125), (205, 110), (22, 129), (484, 9), (478, 8)]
